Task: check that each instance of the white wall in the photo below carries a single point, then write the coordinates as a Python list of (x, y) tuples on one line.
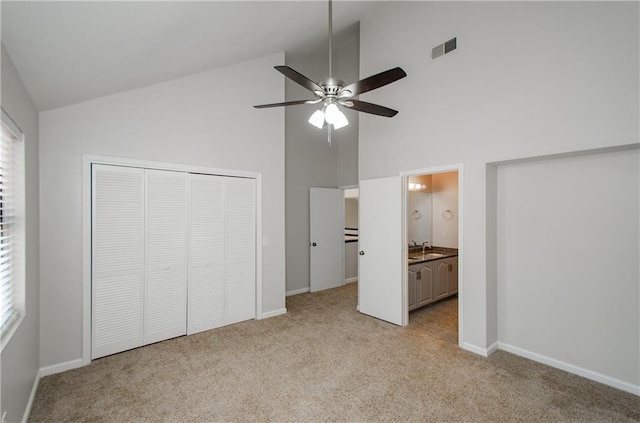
[(528, 79), (350, 261), (351, 212), (346, 63), (205, 120), (568, 248), (310, 160), (20, 357)]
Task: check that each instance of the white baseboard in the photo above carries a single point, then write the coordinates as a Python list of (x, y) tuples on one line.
[(62, 367), (492, 348), (32, 397), (47, 371), (273, 313), (351, 280), (297, 291), (485, 352), (589, 374)]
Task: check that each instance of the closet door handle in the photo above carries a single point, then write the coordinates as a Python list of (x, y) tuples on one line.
[(313, 244), (361, 253)]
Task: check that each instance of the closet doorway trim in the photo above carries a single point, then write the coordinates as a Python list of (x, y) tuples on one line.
[(87, 161)]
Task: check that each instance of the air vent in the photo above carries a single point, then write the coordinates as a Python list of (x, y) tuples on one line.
[(444, 48), (450, 45)]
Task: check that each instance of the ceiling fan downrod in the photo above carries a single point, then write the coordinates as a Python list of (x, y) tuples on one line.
[(330, 38)]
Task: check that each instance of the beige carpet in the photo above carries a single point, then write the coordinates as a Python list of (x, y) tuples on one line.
[(323, 361)]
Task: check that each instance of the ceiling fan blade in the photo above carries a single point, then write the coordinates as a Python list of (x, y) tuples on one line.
[(286, 103), (374, 109), (299, 78), (375, 81)]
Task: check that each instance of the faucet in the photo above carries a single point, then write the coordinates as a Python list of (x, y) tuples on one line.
[(412, 243), (425, 245)]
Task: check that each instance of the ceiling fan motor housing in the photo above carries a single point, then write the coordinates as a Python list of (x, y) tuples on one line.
[(331, 86)]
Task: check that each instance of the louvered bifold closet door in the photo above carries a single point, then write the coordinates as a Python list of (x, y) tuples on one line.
[(240, 262), (117, 259), (165, 313), (206, 252)]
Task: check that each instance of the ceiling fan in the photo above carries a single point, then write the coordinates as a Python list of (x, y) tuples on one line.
[(332, 92)]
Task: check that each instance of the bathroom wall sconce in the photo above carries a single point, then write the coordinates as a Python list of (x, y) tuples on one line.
[(447, 214)]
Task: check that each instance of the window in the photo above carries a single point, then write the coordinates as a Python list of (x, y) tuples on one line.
[(11, 228)]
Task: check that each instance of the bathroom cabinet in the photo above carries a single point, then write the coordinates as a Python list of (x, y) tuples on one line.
[(431, 281)]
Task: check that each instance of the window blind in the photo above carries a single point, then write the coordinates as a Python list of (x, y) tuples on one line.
[(7, 222)]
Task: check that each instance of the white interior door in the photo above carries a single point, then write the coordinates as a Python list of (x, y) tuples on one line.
[(381, 283), (326, 237), (240, 251), (117, 264), (222, 242), (207, 194), (165, 311)]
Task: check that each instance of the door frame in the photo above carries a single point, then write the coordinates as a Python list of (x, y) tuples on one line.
[(344, 245), (405, 275), (90, 159)]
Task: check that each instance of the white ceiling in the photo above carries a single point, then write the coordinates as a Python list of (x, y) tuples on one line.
[(68, 52)]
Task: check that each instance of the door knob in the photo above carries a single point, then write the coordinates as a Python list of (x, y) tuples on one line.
[(313, 244), (361, 253)]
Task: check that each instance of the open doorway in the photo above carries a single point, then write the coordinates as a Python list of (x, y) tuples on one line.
[(333, 234), (351, 235), (432, 234), (383, 246)]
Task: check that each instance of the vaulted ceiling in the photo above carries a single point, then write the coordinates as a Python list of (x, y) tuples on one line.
[(68, 52)]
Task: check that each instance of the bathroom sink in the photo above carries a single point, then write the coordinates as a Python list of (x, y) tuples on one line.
[(428, 256), (423, 257)]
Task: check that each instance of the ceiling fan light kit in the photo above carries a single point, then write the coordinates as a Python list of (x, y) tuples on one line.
[(333, 93), (334, 116), (317, 119)]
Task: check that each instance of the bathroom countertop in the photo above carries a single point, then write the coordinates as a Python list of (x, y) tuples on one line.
[(435, 253)]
